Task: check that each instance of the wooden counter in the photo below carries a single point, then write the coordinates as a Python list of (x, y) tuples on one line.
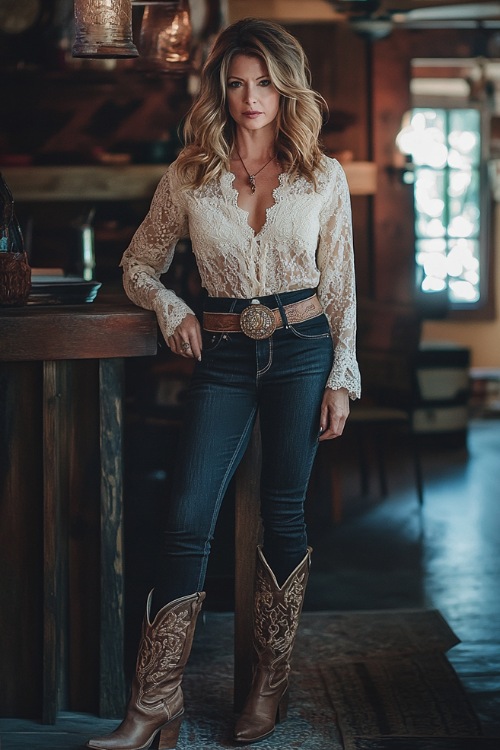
[(98, 330), (61, 518)]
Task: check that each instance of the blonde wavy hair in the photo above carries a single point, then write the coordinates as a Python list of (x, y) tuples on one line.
[(209, 131)]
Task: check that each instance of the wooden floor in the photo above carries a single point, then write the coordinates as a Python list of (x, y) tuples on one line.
[(390, 554)]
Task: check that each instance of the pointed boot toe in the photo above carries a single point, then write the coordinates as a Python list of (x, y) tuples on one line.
[(259, 719)]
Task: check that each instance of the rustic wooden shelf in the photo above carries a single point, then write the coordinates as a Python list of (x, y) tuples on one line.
[(127, 182), (89, 182), (361, 176)]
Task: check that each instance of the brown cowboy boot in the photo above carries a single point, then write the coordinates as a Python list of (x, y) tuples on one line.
[(276, 618), (156, 703)]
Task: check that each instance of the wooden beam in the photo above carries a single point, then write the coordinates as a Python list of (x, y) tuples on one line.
[(74, 183), (135, 182), (284, 11)]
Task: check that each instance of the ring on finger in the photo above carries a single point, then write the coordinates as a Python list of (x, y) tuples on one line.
[(185, 346)]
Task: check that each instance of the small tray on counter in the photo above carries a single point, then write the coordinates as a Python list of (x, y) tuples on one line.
[(62, 290)]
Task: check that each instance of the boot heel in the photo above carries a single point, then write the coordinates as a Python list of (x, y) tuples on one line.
[(282, 708), (170, 734)]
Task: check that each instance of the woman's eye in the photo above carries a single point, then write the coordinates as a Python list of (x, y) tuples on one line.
[(234, 84), (265, 82)]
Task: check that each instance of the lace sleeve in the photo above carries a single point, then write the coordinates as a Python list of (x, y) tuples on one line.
[(150, 254), (336, 288)]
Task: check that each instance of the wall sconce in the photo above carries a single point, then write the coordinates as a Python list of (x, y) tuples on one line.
[(401, 168), (103, 29), (165, 36)]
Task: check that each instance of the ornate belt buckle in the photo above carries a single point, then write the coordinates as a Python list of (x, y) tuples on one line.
[(257, 321)]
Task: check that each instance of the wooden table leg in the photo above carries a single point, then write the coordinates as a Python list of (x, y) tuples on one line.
[(247, 536), (55, 483), (112, 678), (54, 540)]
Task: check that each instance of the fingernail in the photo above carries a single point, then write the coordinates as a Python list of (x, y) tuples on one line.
[(199, 359)]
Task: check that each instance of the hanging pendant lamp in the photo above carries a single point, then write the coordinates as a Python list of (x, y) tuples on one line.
[(103, 29), (165, 36)]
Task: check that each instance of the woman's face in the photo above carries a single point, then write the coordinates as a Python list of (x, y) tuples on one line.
[(253, 101)]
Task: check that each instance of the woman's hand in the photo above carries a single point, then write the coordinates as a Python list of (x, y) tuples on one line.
[(186, 339), (334, 412)]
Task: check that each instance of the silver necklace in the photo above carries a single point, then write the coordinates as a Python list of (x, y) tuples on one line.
[(251, 177)]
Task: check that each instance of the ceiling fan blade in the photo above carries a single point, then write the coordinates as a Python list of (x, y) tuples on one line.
[(450, 12)]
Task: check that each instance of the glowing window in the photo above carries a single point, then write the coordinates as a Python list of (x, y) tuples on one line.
[(445, 148)]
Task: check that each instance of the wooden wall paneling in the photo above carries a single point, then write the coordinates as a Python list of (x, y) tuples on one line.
[(21, 539), (339, 61), (393, 232), (86, 115), (362, 217)]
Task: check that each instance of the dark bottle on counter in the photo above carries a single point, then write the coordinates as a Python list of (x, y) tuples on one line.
[(15, 273), (82, 253)]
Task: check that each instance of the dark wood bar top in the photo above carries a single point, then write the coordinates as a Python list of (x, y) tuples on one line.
[(111, 327)]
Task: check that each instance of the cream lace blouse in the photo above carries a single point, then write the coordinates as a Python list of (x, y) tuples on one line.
[(306, 242)]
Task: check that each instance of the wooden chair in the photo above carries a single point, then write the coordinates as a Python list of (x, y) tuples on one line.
[(387, 347)]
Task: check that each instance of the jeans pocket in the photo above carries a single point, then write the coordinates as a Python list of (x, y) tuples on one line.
[(314, 328)]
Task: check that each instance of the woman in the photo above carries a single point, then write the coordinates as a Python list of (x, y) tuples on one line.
[(268, 216)]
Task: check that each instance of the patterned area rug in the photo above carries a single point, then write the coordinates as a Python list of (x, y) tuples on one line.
[(208, 687), (360, 681), (427, 743), (410, 696)]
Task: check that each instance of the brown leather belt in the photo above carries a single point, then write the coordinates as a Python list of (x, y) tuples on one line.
[(258, 321)]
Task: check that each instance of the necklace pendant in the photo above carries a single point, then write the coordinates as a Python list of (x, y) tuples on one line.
[(251, 177)]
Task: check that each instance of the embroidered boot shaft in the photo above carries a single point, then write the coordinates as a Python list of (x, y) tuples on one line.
[(156, 703), (276, 619)]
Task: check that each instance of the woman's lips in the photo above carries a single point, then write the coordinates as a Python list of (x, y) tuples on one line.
[(251, 114)]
